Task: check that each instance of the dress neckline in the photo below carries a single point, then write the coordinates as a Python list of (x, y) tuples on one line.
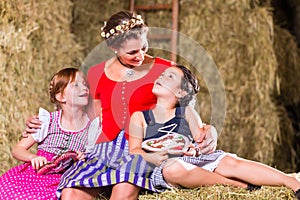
[(71, 131), (130, 81)]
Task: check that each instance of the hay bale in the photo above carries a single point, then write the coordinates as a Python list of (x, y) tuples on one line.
[(288, 98), (238, 35), (35, 41), (89, 17), (222, 192)]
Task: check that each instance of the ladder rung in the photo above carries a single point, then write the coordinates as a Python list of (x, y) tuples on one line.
[(153, 7), (160, 37)]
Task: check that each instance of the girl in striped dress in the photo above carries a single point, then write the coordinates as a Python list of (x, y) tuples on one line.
[(62, 131)]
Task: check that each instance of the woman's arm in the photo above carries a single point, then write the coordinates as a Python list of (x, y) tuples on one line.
[(195, 123), (32, 124), (94, 109), (204, 135), (137, 129), (20, 152)]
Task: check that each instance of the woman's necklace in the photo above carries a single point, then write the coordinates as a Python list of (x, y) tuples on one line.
[(129, 71)]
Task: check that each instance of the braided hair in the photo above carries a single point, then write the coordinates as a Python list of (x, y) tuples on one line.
[(189, 83)]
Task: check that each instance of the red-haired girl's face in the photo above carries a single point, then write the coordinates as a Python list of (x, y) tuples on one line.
[(77, 93)]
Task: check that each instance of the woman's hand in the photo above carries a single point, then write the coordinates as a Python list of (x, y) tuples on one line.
[(38, 161), (209, 143), (32, 123)]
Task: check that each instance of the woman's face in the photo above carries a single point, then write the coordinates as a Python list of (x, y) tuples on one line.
[(133, 51)]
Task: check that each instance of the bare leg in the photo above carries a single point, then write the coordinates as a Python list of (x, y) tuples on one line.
[(255, 173), (179, 173), (125, 191), (80, 193)]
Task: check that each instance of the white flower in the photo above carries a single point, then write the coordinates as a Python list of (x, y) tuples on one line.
[(118, 28)]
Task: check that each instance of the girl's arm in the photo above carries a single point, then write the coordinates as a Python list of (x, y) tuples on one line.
[(204, 135), (137, 129), (20, 152)]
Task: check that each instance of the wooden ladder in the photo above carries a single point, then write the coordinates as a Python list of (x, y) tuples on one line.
[(174, 7)]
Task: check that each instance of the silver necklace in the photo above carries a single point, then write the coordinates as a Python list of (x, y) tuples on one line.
[(130, 72), (129, 69)]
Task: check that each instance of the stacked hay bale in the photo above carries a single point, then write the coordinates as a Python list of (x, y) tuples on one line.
[(288, 98), (238, 35), (89, 16), (35, 41)]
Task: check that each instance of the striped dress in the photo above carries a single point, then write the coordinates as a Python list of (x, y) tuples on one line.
[(22, 182), (108, 164)]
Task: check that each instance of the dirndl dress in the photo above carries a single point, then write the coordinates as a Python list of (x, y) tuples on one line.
[(109, 163), (23, 183), (205, 161)]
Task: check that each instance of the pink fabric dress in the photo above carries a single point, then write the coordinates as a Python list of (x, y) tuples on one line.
[(22, 182)]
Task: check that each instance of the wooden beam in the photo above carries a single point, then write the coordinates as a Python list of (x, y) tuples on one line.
[(174, 29), (160, 36), (153, 7), (131, 5)]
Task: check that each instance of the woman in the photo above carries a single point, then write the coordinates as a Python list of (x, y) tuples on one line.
[(119, 87)]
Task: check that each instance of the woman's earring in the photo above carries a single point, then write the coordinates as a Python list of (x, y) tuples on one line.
[(116, 52)]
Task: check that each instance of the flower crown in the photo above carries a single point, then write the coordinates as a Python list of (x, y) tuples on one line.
[(125, 26)]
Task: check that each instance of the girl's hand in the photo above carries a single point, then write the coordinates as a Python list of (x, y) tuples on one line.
[(32, 123), (80, 155), (157, 158), (38, 161), (192, 151)]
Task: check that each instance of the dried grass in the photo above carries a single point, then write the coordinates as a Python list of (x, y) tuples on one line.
[(35, 41), (89, 16), (254, 58), (288, 98), (218, 192), (239, 36)]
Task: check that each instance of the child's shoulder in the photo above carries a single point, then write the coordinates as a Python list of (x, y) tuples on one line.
[(138, 116), (137, 113)]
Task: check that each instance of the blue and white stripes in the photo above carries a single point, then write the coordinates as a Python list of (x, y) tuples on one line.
[(108, 164)]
